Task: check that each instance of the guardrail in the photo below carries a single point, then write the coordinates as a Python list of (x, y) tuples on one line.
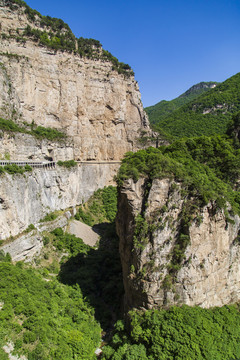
[(34, 164), (52, 164)]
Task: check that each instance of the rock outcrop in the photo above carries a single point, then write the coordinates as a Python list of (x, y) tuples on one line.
[(99, 109), (20, 146), (166, 262), (25, 199), (27, 245)]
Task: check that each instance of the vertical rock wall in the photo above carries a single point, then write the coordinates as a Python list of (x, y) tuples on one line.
[(164, 266)]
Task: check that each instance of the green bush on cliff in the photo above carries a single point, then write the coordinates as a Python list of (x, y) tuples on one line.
[(37, 131), (15, 169), (207, 167), (67, 163), (47, 133), (102, 206)]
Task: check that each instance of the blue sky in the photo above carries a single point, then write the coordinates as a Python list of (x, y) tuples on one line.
[(171, 44)]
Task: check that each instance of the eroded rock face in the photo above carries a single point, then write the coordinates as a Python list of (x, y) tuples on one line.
[(99, 109), (21, 146), (162, 264), (25, 199)]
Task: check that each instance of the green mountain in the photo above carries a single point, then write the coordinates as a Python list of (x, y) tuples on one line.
[(164, 108), (208, 114)]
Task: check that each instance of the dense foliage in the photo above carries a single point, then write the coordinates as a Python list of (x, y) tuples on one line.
[(164, 108), (208, 114), (57, 35), (44, 320), (102, 206), (207, 167), (189, 333)]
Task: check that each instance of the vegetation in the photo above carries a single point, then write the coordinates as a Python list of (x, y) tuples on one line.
[(10, 126), (57, 35), (97, 272), (207, 167), (37, 131), (67, 164), (47, 133), (49, 217), (53, 319), (178, 333), (164, 108), (14, 169), (208, 114), (44, 320), (102, 206)]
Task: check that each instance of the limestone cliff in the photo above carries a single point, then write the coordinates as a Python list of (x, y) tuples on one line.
[(98, 109), (25, 199), (164, 262)]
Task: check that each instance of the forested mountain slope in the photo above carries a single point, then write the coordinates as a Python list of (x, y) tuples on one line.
[(208, 114), (164, 108)]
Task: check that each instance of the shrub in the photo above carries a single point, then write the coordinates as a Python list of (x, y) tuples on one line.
[(67, 164)]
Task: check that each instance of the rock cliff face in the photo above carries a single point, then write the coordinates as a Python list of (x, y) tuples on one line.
[(26, 147), (165, 263), (99, 109), (25, 199)]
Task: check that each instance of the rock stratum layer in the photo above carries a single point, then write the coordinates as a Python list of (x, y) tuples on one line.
[(98, 109), (163, 267)]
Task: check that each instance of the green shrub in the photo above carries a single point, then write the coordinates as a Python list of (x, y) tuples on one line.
[(30, 228), (67, 163), (49, 217), (47, 133), (101, 206)]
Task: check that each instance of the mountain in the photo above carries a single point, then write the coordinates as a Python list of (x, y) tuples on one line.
[(164, 108), (207, 114), (51, 79)]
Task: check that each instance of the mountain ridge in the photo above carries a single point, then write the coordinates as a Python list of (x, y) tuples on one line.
[(208, 114), (165, 107)]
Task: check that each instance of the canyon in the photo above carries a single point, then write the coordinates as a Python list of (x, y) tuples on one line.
[(100, 113)]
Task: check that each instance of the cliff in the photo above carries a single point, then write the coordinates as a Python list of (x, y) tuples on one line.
[(169, 257), (74, 87), (98, 108), (25, 199)]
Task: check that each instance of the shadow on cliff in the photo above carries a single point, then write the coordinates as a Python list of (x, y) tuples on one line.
[(99, 276)]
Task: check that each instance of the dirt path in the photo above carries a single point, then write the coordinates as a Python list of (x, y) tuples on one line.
[(83, 231)]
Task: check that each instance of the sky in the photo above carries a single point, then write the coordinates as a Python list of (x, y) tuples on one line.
[(170, 44)]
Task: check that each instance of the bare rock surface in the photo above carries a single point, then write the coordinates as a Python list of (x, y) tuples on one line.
[(209, 272), (100, 110), (83, 231), (8, 348), (25, 199)]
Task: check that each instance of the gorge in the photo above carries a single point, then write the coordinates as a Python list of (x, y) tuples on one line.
[(68, 102)]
